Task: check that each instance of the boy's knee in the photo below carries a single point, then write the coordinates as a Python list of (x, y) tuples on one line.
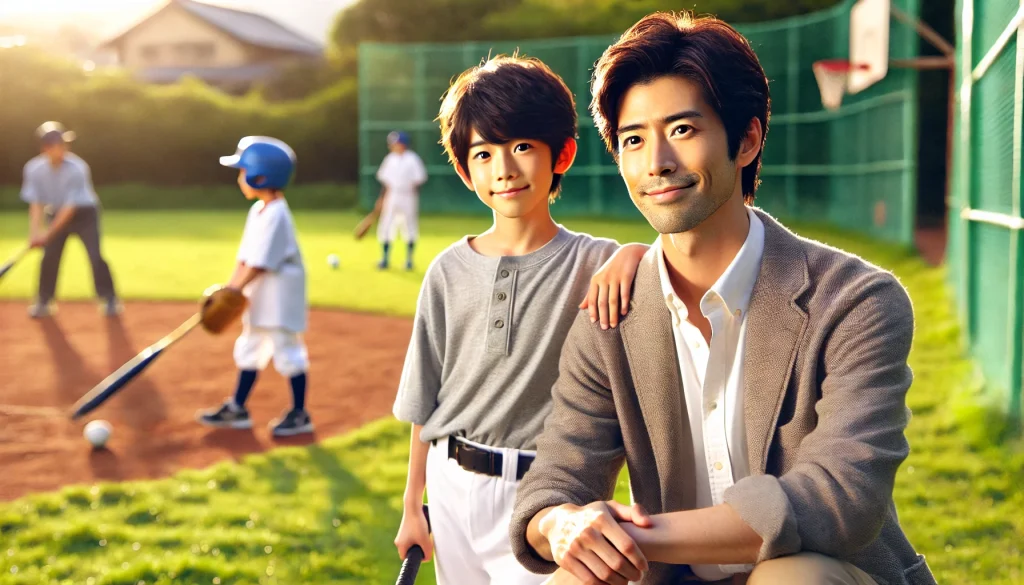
[(291, 360)]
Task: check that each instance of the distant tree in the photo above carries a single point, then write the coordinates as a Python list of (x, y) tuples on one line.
[(399, 21), (415, 20)]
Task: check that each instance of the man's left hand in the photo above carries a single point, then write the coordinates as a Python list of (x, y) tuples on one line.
[(39, 240)]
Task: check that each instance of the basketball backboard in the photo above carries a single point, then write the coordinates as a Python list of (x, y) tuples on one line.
[(869, 43)]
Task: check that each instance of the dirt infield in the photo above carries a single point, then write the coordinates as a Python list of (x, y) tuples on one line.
[(46, 365)]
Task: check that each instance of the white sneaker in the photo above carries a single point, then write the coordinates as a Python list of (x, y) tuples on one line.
[(40, 310)]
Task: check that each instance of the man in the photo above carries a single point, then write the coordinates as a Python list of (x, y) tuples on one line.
[(756, 391), (401, 173), (58, 189)]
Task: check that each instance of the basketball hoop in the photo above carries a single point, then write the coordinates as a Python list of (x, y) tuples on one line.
[(833, 77)]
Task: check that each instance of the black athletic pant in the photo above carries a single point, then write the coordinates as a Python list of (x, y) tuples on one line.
[(86, 225)]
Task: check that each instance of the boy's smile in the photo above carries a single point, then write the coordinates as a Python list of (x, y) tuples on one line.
[(514, 178)]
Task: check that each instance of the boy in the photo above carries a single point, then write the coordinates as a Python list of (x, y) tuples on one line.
[(401, 172), (271, 273), (493, 313)]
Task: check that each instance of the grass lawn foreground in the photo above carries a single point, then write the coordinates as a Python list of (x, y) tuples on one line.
[(328, 513)]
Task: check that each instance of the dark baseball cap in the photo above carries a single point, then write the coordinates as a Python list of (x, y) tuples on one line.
[(54, 133)]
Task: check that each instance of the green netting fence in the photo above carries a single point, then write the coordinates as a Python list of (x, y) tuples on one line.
[(985, 250), (855, 167)]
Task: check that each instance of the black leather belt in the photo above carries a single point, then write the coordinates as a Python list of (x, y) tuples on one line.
[(483, 461)]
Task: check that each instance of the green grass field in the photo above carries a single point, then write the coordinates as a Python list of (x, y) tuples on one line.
[(327, 513)]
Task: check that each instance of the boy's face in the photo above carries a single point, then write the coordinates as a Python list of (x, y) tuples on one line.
[(674, 154), (514, 179), (248, 191)]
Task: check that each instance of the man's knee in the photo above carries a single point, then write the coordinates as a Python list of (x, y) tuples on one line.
[(807, 569)]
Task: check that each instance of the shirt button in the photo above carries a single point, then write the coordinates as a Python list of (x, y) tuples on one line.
[(504, 273), (718, 466), (499, 323), (696, 345), (737, 312), (501, 296), (713, 405)]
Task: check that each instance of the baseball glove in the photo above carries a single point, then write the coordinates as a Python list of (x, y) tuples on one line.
[(221, 307)]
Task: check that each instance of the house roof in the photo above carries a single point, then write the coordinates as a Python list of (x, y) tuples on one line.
[(242, 73), (248, 27)]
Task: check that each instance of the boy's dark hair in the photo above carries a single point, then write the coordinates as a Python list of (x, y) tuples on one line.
[(705, 50), (506, 98)]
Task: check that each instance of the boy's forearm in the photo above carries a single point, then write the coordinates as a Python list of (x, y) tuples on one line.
[(708, 536), (244, 274), (416, 482)]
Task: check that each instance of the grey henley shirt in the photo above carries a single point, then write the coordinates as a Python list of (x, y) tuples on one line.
[(487, 338)]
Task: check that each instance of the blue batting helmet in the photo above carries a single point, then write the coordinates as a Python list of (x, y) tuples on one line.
[(399, 137), (268, 162)]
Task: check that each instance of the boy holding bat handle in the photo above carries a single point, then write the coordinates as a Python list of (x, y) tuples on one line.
[(492, 316), (271, 273)]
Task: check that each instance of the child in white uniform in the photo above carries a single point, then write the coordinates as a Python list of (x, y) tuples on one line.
[(402, 173), (271, 273)]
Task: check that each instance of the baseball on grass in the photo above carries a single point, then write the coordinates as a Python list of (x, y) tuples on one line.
[(333, 261), (97, 432)]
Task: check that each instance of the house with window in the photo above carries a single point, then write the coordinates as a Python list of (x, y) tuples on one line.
[(228, 48)]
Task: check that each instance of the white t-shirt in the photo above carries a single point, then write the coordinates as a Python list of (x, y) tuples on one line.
[(402, 173), (277, 298)]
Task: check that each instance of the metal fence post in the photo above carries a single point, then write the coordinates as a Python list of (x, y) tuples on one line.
[(1015, 323)]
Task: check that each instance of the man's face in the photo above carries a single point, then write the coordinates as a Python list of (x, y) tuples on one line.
[(55, 151), (397, 148), (673, 154), (514, 179)]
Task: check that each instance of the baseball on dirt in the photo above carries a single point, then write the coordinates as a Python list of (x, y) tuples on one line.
[(333, 261), (97, 432)]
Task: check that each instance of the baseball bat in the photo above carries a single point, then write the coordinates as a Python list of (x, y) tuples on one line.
[(6, 267), (413, 558), (113, 383), (367, 222), (411, 566)]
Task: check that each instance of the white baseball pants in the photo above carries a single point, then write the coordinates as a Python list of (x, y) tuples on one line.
[(256, 346), (400, 213), (469, 516)]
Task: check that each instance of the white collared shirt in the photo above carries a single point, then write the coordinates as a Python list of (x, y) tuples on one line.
[(713, 377)]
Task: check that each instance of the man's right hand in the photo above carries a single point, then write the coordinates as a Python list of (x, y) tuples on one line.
[(414, 530), (37, 239), (589, 543)]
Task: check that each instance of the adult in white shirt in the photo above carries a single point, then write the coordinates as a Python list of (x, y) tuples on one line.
[(756, 390), (401, 173)]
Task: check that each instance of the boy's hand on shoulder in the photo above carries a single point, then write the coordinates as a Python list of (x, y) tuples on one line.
[(612, 285)]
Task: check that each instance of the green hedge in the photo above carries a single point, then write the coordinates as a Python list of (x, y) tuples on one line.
[(226, 196), (131, 132)]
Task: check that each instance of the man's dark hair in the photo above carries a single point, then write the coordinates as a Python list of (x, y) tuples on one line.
[(705, 50), (506, 98)]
